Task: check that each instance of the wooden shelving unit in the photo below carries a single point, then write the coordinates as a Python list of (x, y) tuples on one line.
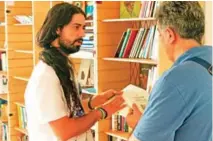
[(129, 20), (3, 49), (3, 120), (21, 78), (119, 134), (20, 104), (142, 61), (3, 96), (24, 51), (23, 131), (3, 73)]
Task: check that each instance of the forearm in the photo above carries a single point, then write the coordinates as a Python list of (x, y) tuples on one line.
[(71, 127)]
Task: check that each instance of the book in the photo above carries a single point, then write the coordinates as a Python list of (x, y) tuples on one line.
[(120, 44), (134, 95), (130, 9), (130, 42)]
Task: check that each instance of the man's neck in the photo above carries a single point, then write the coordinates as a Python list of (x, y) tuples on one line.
[(184, 46)]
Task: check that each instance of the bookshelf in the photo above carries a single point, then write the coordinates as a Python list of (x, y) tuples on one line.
[(122, 71), (119, 134)]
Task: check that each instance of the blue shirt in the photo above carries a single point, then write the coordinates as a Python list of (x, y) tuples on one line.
[(180, 104)]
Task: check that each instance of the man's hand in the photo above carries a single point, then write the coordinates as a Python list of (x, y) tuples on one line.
[(104, 97), (133, 117)]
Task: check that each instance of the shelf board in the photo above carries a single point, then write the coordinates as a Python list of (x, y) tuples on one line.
[(129, 20), (20, 104), (3, 120), (25, 51), (82, 55), (119, 134), (19, 24), (24, 131), (89, 21), (21, 78), (3, 96), (3, 72), (3, 49), (132, 60)]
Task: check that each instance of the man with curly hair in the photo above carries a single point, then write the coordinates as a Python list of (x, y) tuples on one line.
[(180, 104)]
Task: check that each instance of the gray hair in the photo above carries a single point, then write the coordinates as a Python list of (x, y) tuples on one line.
[(185, 17)]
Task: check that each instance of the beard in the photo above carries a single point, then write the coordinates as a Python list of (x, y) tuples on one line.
[(71, 48)]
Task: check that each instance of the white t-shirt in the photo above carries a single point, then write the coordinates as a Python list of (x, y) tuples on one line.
[(45, 102)]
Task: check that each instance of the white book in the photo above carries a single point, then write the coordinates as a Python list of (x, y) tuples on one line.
[(133, 94)]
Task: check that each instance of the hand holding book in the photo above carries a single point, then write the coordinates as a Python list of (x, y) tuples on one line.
[(133, 116), (134, 95)]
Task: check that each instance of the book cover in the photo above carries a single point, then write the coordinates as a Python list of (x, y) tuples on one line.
[(130, 42), (130, 9), (133, 94), (120, 44)]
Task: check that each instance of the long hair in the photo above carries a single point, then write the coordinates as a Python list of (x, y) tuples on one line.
[(57, 17)]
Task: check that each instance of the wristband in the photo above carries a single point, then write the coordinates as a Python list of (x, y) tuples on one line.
[(103, 112), (89, 103)]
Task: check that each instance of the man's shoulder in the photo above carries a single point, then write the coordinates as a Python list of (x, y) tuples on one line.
[(44, 72)]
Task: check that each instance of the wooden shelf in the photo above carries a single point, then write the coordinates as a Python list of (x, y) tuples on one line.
[(3, 120), (119, 134), (132, 60), (3, 96), (3, 73), (3, 49), (24, 131), (21, 78), (25, 51), (82, 55), (89, 21), (19, 24), (129, 20), (20, 104)]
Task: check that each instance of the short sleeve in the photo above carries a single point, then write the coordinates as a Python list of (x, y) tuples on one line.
[(49, 101), (163, 115)]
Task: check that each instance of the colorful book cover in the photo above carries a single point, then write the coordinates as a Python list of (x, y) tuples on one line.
[(130, 9)]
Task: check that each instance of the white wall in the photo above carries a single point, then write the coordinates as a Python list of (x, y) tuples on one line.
[(208, 23)]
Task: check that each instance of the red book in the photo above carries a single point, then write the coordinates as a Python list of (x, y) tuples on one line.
[(130, 42)]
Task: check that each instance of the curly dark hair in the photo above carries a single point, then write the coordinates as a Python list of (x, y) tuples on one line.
[(57, 17), (185, 17)]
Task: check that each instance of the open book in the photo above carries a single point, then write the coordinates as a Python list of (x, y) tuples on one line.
[(133, 94)]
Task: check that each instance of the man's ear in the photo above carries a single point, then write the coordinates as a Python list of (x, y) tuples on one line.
[(170, 35)]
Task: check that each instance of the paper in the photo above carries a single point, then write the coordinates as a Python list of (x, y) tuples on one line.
[(133, 94)]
